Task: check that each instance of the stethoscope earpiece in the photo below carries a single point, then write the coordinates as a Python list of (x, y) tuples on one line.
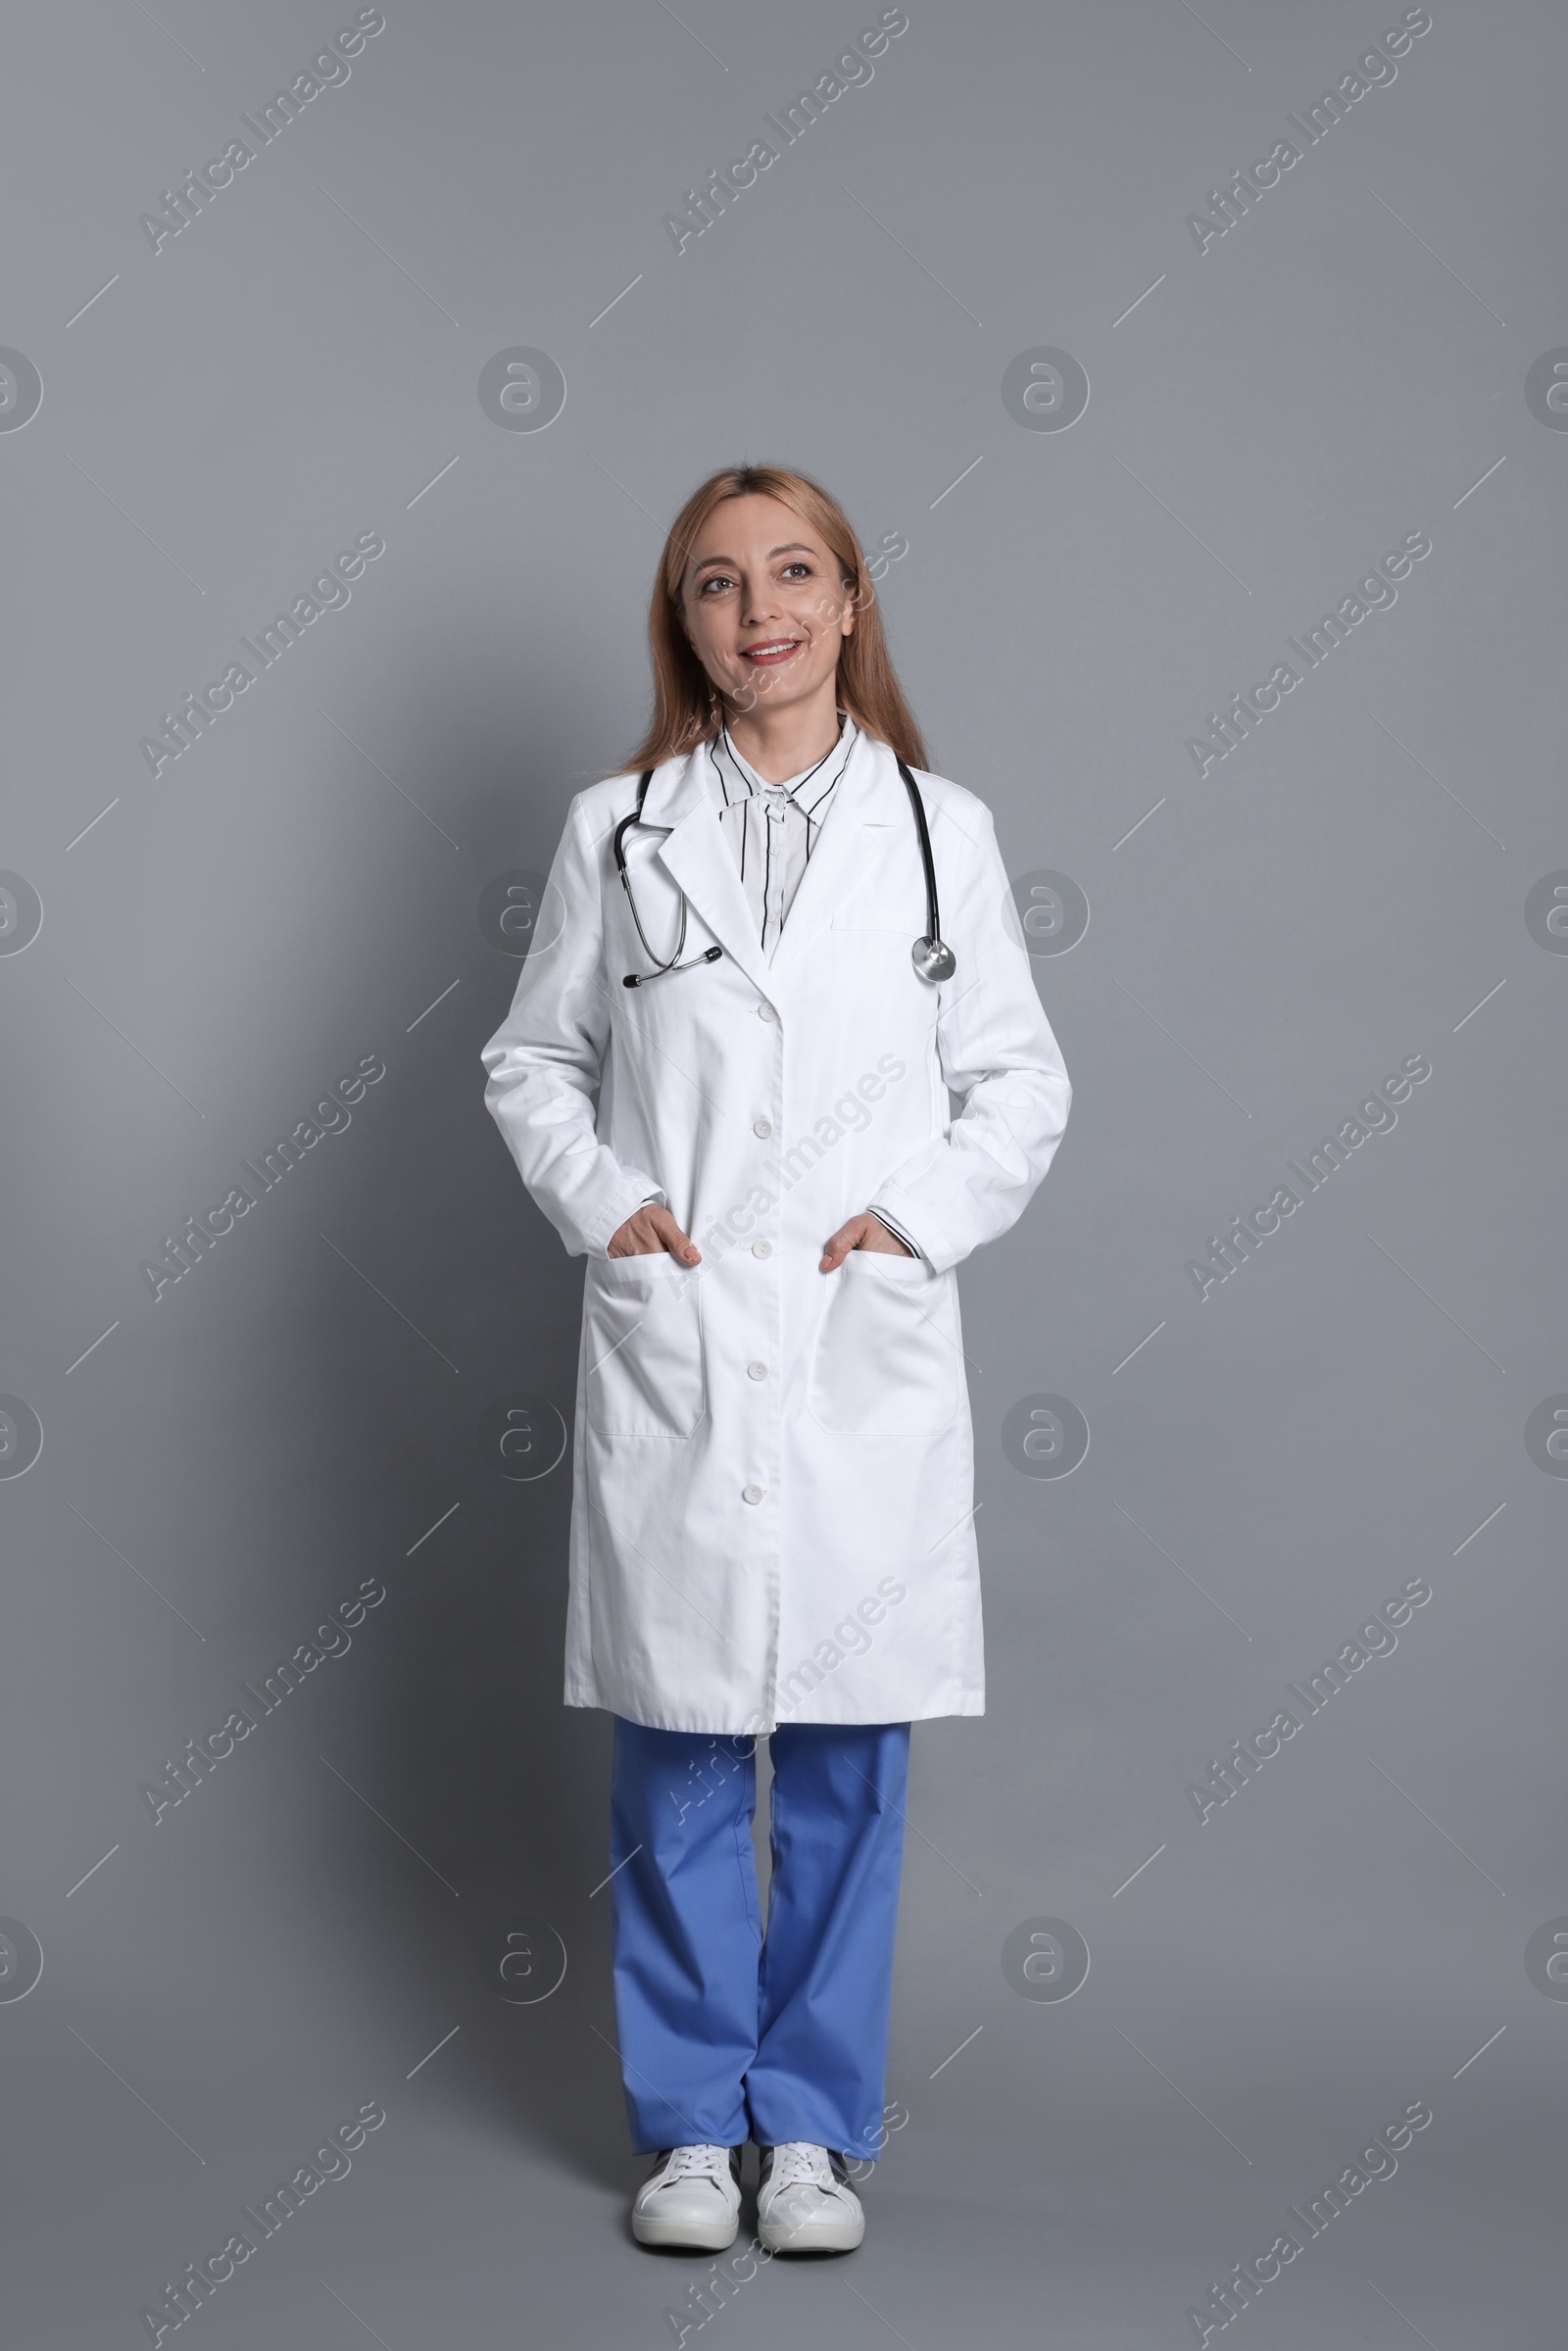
[(640, 979)]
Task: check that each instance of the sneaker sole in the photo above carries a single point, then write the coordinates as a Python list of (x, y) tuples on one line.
[(815, 2236), (649, 2230)]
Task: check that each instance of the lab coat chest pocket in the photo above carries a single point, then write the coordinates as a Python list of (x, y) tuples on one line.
[(643, 1347), (887, 1357), (878, 909)]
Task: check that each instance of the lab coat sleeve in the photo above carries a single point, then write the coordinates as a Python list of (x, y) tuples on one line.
[(546, 1059), (996, 1052)]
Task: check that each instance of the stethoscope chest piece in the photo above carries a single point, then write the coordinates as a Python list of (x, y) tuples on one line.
[(933, 960)]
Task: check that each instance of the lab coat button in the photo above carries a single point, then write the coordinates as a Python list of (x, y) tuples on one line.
[(761, 1249), (750, 1494), (757, 1371), (766, 1012), (762, 1127)]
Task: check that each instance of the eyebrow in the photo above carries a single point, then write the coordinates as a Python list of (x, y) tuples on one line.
[(791, 547)]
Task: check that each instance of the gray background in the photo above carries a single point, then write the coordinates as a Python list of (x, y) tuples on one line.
[(306, 1404)]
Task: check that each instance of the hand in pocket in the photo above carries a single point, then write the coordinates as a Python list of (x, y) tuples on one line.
[(861, 1232), (651, 1229)]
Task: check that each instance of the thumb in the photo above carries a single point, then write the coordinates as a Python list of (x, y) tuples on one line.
[(678, 1243), (839, 1246)]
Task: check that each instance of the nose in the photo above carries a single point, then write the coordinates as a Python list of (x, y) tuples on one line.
[(758, 604)]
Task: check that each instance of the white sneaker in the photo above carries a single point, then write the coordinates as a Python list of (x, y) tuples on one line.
[(804, 2203), (691, 2197)]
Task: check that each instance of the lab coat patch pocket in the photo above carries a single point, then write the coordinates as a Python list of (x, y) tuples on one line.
[(643, 1341), (887, 1357)]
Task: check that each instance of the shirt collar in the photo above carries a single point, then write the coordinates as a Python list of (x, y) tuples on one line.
[(732, 777)]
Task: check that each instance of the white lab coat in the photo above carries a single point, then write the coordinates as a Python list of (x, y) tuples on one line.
[(773, 1496)]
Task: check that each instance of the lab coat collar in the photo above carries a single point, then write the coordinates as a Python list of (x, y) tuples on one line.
[(696, 856)]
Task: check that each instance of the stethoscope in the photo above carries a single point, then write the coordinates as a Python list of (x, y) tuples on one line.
[(930, 955)]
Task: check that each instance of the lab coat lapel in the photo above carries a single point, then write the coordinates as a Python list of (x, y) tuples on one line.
[(699, 859), (838, 860)]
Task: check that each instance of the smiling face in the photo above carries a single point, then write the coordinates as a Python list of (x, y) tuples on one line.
[(764, 605)]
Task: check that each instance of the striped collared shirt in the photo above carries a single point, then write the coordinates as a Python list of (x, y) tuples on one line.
[(772, 829)]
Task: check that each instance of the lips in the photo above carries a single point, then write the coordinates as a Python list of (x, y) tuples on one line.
[(776, 649)]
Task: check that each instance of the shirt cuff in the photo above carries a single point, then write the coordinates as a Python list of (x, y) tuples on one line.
[(897, 1230)]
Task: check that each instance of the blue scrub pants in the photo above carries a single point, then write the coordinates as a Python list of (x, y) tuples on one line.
[(726, 2036)]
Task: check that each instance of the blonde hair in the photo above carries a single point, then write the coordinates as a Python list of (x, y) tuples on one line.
[(686, 711)]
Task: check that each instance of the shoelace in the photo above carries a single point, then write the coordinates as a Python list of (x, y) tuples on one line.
[(710, 2162), (797, 2163)]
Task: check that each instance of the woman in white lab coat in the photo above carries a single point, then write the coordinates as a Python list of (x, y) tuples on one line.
[(772, 950)]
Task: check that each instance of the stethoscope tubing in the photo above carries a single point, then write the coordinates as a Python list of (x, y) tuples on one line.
[(640, 979), (932, 926)]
